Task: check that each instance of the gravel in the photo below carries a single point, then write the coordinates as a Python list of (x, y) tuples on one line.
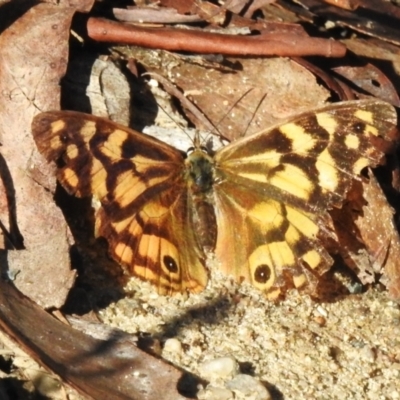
[(299, 348)]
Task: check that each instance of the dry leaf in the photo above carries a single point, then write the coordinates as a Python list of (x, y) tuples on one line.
[(380, 236), (46, 237)]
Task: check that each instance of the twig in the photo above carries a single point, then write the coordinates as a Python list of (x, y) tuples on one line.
[(266, 44)]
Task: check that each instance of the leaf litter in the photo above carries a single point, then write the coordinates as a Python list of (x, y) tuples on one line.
[(298, 348)]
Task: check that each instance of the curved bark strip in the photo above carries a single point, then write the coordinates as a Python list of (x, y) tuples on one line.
[(112, 369)]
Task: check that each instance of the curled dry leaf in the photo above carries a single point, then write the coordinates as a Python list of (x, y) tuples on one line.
[(98, 87), (368, 239), (342, 91), (370, 79), (378, 19)]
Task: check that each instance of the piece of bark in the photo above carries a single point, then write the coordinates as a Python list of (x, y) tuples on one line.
[(101, 369), (153, 16), (182, 6)]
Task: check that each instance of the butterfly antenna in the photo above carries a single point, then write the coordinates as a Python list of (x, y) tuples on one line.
[(215, 127), (176, 122), (234, 105), (254, 114), (197, 113), (197, 143), (230, 109)]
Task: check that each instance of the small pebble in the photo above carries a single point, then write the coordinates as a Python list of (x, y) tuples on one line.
[(173, 346), (215, 393), (248, 387), (321, 321), (322, 311), (395, 394), (368, 354), (45, 384), (223, 367)]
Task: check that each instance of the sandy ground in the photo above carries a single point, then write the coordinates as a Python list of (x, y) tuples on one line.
[(348, 348)]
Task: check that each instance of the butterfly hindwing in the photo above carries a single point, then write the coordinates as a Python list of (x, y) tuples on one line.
[(138, 180), (148, 241), (275, 241)]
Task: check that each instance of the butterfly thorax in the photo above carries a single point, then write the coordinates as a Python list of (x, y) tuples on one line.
[(199, 171), (199, 175)]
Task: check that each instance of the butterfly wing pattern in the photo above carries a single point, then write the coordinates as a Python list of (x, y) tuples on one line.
[(270, 193), (278, 185), (138, 180)]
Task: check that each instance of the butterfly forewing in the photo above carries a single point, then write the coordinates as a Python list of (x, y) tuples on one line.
[(311, 158), (138, 179), (111, 157)]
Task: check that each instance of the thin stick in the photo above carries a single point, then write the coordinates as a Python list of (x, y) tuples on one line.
[(267, 44)]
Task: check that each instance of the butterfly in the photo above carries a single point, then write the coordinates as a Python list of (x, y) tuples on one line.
[(260, 203)]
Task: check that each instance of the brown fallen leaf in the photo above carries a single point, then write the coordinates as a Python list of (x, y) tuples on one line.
[(266, 83), (380, 236), (369, 79), (29, 81), (368, 239), (274, 87)]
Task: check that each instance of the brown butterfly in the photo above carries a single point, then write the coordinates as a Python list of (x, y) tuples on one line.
[(260, 202)]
